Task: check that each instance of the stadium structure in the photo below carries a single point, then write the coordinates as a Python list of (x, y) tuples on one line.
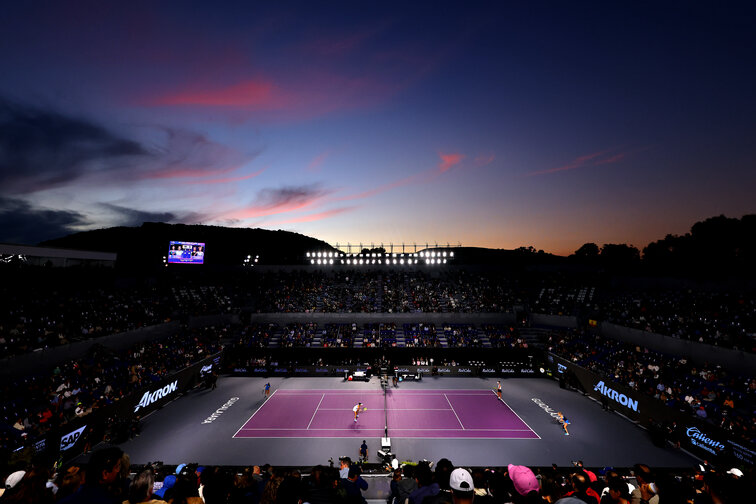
[(424, 355)]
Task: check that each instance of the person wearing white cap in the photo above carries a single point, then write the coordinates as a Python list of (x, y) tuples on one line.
[(735, 472), (461, 484), (14, 478)]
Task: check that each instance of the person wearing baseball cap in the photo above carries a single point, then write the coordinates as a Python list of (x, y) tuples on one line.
[(523, 479), (462, 488)]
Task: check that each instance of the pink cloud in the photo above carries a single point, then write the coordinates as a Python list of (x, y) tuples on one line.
[(226, 180), (253, 93), (386, 187), (185, 154), (315, 164), (613, 159), (293, 97), (315, 216), (578, 162), (484, 160), (279, 201), (449, 160)]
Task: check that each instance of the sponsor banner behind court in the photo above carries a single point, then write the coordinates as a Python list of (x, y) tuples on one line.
[(704, 439), (521, 369), (70, 439)]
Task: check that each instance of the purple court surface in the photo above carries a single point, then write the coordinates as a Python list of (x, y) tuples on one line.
[(448, 414)]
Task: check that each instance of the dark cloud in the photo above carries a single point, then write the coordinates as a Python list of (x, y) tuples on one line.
[(292, 195), (24, 224), (40, 148), (133, 217)]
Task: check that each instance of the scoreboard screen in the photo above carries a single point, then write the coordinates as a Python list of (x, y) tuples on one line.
[(180, 252)]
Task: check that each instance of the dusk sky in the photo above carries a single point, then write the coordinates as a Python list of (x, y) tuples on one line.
[(492, 124)]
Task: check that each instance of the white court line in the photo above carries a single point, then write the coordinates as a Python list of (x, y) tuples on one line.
[(389, 409), (315, 412), (455, 413), (381, 430), (377, 392), (521, 420), (376, 428), (253, 414)]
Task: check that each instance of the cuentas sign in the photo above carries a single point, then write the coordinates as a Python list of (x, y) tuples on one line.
[(701, 440)]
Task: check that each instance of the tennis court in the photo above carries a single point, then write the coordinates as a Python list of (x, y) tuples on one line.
[(476, 414)]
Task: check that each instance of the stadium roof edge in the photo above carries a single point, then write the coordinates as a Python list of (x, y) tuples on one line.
[(50, 252)]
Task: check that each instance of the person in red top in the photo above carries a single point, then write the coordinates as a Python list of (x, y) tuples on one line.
[(498, 389), (582, 490)]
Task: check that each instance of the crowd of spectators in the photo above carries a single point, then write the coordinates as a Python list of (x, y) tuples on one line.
[(378, 335), (35, 403), (709, 392), (52, 308), (107, 477), (717, 318)]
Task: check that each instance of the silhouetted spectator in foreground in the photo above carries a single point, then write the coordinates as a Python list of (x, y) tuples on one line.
[(101, 480)]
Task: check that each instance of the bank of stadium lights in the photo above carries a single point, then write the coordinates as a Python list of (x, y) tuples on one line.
[(432, 258), (250, 261)]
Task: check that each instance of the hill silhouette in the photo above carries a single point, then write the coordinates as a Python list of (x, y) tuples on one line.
[(147, 244), (715, 246)]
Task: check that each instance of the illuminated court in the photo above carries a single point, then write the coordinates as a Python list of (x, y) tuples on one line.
[(306, 421), (441, 414)]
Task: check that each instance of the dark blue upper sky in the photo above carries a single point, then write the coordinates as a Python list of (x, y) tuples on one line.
[(487, 123)]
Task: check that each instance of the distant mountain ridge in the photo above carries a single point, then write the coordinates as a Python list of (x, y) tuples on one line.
[(148, 243), (717, 245)]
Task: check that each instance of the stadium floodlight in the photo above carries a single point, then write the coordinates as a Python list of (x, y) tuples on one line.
[(394, 261), (415, 261), (451, 254), (308, 254), (330, 261), (444, 261), (349, 261), (312, 261), (401, 261), (361, 261), (444, 253)]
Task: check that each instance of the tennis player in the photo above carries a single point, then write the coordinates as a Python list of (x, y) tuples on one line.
[(498, 389), (267, 389), (356, 410), (565, 422)]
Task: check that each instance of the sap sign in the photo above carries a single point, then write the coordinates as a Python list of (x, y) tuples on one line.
[(615, 396), (150, 397), (70, 439), (699, 439)]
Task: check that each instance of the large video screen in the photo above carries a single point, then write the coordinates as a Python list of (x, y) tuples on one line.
[(180, 252)]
